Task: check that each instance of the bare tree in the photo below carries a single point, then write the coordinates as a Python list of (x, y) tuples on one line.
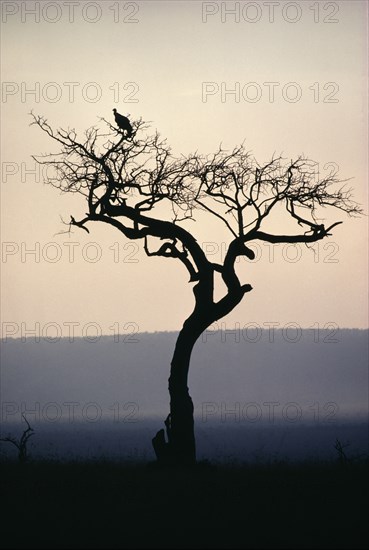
[(125, 182), (340, 448), (22, 442)]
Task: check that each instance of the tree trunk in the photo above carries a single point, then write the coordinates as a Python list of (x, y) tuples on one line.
[(180, 449)]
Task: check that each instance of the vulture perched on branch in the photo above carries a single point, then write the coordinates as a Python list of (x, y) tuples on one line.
[(123, 123)]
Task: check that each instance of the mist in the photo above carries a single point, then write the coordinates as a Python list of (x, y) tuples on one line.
[(259, 394)]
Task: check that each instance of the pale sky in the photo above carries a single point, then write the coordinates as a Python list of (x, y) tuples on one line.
[(152, 60)]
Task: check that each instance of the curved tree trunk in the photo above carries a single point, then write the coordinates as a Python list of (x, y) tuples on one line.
[(181, 431), (180, 448)]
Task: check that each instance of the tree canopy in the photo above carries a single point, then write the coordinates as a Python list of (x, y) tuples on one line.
[(125, 182)]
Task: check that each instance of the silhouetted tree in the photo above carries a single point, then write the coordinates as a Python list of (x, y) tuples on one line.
[(125, 183), (22, 442), (340, 448)]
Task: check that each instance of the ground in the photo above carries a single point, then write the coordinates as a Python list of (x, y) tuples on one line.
[(111, 505)]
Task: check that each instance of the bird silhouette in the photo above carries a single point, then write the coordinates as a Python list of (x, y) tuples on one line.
[(123, 123)]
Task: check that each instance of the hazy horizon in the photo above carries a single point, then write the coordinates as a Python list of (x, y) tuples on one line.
[(262, 395)]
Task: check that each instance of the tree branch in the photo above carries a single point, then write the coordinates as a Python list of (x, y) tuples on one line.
[(169, 250), (319, 233)]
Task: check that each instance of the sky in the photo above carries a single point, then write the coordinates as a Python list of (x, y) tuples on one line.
[(175, 64)]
